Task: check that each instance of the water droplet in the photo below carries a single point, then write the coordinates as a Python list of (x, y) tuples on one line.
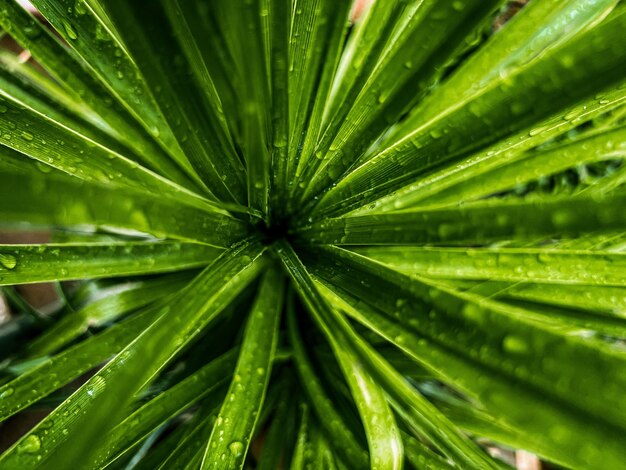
[(3, 108), (8, 261), (514, 344), (43, 167), (382, 97), (79, 7), (573, 114), (7, 393), (236, 448), (30, 444), (69, 30), (535, 131), (436, 133), (27, 135)]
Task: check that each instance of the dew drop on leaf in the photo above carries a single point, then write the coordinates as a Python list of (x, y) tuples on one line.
[(8, 261), (514, 344), (30, 445), (69, 30), (458, 5), (536, 131), (79, 7), (236, 448), (6, 393), (573, 114), (43, 167), (27, 135)]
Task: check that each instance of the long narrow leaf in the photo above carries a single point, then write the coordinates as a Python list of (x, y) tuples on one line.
[(497, 112), (66, 67), (59, 262), (201, 134), (330, 419), (451, 353), (167, 404), (380, 427), (229, 441), (127, 373), (479, 223), (97, 45), (539, 265), (44, 200), (110, 304)]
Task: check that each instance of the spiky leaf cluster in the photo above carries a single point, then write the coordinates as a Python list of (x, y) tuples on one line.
[(300, 240)]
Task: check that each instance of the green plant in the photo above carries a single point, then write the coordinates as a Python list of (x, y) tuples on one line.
[(353, 245)]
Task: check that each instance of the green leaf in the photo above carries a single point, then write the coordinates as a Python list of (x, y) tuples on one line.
[(191, 113), (78, 81), (197, 306), (58, 370), (211, 66), (526, 96), (109, 305), (400, 50), (380, 427), (421, 456), (45, 200), (48, 142), (80, 26), (477, 223), (318, 33), (599, 299), (245, 29), (418, 413), (321, 454), (164, 406), (21, 264), (23, 83), (462, 335), (230, 438), (281, 433), (342, 436), (280, 26), (584, 310), (539, 29), (495, 158), (530, 167), (298, 457), (191, 447), (506, 264)]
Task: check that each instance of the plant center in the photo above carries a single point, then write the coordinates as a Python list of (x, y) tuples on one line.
[(275, 230)]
